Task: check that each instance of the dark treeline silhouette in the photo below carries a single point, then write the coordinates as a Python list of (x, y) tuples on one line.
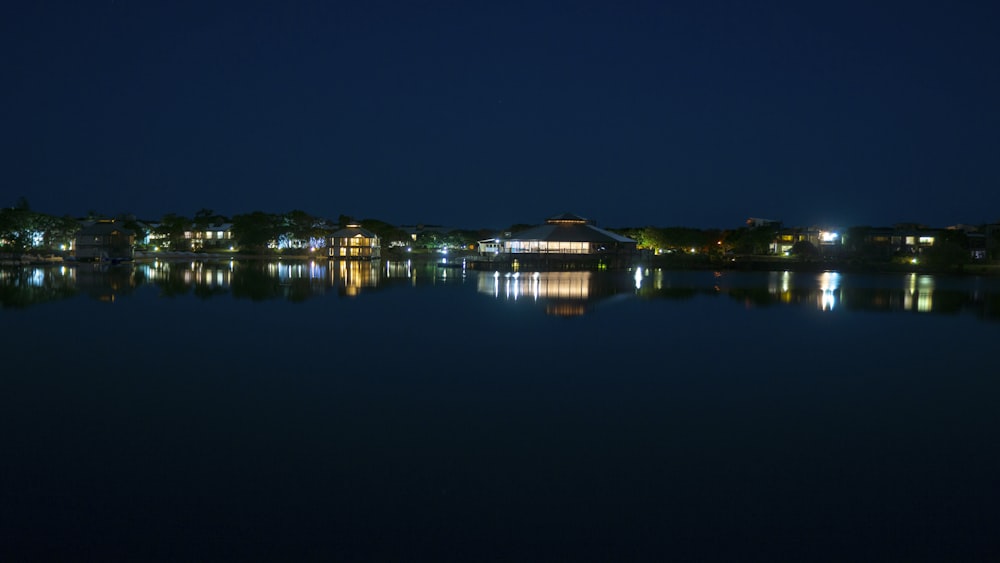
[(25, 230)]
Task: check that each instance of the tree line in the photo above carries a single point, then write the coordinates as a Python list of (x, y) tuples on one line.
[(23, 229)]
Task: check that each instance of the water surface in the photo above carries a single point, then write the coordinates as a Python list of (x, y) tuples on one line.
[(392, 411)]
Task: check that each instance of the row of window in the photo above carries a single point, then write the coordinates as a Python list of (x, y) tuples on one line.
[(910, 240), (209, 234), (541, 246), (356, 241)]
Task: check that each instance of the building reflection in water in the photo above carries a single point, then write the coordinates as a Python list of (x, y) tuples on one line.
[(566, 293), (828, 293), (23, 287), (920, 292), (829, 286), (105, 282), (351, 276)]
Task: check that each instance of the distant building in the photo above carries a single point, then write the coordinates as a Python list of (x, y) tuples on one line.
[(105, 240), (354, 243), (754, 222), (826, 240), (490, 246), (414, 231)]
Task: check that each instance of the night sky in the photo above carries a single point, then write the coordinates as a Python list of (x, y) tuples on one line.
[(467, 114)]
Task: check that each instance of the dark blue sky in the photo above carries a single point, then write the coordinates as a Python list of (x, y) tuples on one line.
[(486, 114)]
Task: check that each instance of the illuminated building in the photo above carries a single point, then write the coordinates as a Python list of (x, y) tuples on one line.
[(568, 234), (354, 243)]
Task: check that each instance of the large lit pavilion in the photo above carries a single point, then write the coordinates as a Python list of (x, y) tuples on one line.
[(568, 234)]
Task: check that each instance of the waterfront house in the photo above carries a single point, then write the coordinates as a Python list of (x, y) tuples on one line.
[(354, 243), (902, 239), (218, 235), (105, 240), (826, 240)]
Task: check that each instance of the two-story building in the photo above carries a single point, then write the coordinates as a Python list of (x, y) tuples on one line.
[(354, 243), (219, 235), (105, 241)]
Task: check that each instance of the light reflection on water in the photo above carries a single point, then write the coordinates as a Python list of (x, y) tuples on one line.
[(562, 292)]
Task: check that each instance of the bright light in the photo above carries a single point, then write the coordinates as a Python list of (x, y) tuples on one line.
[(693, 251), (828, 236), (914, 261)]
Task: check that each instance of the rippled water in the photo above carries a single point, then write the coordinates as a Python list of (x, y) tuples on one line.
[(392, 411)]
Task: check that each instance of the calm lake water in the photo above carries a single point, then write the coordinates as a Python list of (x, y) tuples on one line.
[(399, 412)]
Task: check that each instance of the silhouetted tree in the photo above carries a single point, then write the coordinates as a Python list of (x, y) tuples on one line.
[(16, 229), (752, 240), (804, 250), (172, 227), (950, 250), (254, 230), (205, 218), (385, 231)]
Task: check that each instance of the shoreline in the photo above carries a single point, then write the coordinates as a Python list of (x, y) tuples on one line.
[(737, 264)]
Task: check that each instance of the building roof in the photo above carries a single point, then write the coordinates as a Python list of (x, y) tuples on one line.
[(351, 231), (567, 218), (569, 228), (104, 228)]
